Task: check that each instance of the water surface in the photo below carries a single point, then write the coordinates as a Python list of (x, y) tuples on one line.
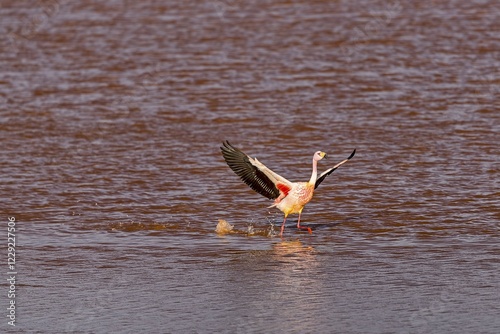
[(111, 119)]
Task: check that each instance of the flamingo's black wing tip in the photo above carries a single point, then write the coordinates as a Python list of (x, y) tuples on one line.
[(226, 145)]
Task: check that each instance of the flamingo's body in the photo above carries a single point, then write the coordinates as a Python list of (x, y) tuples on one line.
[(289, 197)]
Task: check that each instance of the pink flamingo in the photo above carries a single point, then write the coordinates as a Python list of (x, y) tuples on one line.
[(289, 197)]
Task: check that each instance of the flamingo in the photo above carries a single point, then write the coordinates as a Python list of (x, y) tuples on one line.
[(289, 197)]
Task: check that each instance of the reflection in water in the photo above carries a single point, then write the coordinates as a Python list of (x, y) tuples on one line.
[(292, 249), (297, 272), (284, 285)]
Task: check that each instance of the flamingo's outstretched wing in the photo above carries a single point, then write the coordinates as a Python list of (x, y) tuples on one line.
[(254, 173), (329, 171)]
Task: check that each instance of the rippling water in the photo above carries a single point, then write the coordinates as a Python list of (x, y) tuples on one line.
[(111, 119)]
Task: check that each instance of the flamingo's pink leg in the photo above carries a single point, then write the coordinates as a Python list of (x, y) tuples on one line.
[(303, 227)]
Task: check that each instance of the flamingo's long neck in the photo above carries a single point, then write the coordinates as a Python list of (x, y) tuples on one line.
[(314, 174)]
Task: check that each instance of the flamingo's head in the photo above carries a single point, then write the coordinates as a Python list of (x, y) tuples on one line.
[(319, 155)]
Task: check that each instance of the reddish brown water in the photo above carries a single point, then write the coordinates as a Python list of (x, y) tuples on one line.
[(112, 114)]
